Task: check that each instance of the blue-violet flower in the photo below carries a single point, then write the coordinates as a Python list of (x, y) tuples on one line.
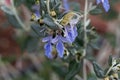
[(105, 4)]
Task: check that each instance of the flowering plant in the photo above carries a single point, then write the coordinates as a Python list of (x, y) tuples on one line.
[(66, 37)]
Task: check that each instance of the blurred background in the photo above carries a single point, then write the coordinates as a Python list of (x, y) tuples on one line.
[(21, 50)]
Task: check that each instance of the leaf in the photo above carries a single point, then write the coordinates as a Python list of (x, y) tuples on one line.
[(87, 22), (75, 6), (74, 68), (92, 76), (43, 7), (40, 30), (50, 23), (31, 44), (59, 69), (56, 7), (7, 10), (96, 11), (13, 21), (110, 60), (111, 38), (98, 70)]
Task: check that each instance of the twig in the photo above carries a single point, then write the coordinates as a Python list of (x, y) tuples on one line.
[(17, 17), (48, 6), (84, 70), (85, 40)]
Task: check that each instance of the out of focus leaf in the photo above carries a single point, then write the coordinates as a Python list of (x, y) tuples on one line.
[(28, 3), (32, 44), (75, 6), (87, 22), (74, 68), (13, 21), (98, 70), (6, 10), (9, 59), (111, 38), (96, 11), (59, 69), (92, 76), (110, 60), (111, 15)]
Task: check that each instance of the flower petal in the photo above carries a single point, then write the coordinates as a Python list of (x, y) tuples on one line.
[(55, 39), (67, 34), (75, 31), (63, 39), (65, 4), (46, 39), (37, 13), (70, 35), (60, 48), (36, 7), (106, 5), (98, 1), (74, 22), (48, 50)]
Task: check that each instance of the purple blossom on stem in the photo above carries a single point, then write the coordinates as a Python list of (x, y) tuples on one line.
[(105, 4), (71, 31), (59, 40), (36, 9), (65, 4), (48, 46)]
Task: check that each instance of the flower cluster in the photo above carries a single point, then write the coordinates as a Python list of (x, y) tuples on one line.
[(59, 37), (65, 34), (105, 4)]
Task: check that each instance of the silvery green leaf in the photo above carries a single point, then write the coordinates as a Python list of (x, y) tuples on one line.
[(98, 70), (43, 6), (114, 62), (7, 10), (56, 6), (87, 22), (110, 60), (74, 68), (50, 23), (40, 30), (96, 11), (13, 21), (91, 7)]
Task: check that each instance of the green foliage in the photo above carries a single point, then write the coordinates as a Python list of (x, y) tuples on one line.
[(74, 69), (98, 70)]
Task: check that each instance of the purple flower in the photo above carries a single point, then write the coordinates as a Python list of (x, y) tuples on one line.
[(105, 4), (65, 4), (48, 46), (59, 40), (71, 31), (36, 9)]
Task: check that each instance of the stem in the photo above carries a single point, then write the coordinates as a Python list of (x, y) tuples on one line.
[(17, 17), (85, 40), (85, 27), (109, 70), (48, 6), (40, 8), (48, 9), (84, 70)]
